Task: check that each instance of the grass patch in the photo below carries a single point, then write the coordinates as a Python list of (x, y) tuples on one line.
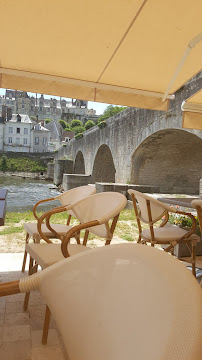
[(16, 217), (12, 230), (127, 215), (127, 237)]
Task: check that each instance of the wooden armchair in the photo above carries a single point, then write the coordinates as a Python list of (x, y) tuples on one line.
[(150, 212), (56, 230), (94, 213)]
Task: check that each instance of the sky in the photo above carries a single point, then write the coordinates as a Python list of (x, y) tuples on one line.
[(99, 107)]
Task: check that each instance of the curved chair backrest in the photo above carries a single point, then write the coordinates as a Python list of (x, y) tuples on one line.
[(71, 196), (158, 209), (125, 301), (102, 207)]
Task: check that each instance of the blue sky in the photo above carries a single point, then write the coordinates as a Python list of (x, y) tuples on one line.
[(99, 107)]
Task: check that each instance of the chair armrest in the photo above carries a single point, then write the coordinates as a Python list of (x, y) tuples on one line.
[(165, 220), (37, 204), (74, 230), (47, 215)]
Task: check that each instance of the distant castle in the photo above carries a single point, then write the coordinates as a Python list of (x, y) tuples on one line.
[(16, 101)]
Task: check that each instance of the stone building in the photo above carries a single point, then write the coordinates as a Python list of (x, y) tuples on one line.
[(40, 138), (20, 102), (20, 134)]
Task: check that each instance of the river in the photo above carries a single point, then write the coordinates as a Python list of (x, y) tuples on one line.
[(24, 193)]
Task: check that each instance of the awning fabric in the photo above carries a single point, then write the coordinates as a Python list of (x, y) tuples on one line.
[(114, 51), (192, 112)]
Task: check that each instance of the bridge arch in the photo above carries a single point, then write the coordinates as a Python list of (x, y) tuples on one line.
[(103, 167), (79, 164), (170, 159)]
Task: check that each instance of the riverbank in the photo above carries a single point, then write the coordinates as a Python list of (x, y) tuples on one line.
[(42, 175)]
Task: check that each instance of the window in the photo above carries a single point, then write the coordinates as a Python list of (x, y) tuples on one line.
[(10, 130), (17, 141), (25, 141), (36, 140), (44, 141), (10, 140), (25, 131), (18, 130)]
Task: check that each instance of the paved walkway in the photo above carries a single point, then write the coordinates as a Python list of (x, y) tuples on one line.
[(20, 332)]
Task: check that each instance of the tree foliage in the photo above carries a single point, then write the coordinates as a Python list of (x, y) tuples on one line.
[(78, 129), (62, 123), (21, 164), (89, 124), (110, 111), (48, 120), (75, 123), (3, 163), (33, 118)]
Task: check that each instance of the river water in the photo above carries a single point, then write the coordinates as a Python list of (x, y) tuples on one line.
[(24, 193)]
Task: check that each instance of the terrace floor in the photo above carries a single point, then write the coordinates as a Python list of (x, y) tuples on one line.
[(20, 332)]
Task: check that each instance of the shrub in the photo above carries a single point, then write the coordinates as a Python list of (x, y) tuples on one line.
[(68, 127), (62, 123), (89, 124), (102, 124), (75, 123), (21, 164), (48, 120), (78, 129), (78, 136), (3, 164)]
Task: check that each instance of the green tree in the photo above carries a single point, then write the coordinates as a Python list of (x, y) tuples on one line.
[(48, 120), (33, 118), (89, 124), (74, 123), (78, 129), (68, 128), (3, 165), (110, 111), (62, 123)]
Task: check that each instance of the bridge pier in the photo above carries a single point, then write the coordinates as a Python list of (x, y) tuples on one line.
[(50, 171), (61, 167), (70, 181)]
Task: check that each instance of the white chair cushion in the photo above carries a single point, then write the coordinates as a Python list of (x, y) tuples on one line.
[(48, 254), (168, 233), (31, 229)]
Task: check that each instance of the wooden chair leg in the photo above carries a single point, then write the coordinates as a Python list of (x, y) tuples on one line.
[(193, 258), (46, 326), (77, 237), (26, 300), (25, 254), (24, 261)]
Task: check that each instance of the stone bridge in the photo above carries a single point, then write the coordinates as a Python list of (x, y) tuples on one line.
[(142, 147)]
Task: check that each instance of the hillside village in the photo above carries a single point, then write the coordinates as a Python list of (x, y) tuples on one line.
[(24, 126)]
